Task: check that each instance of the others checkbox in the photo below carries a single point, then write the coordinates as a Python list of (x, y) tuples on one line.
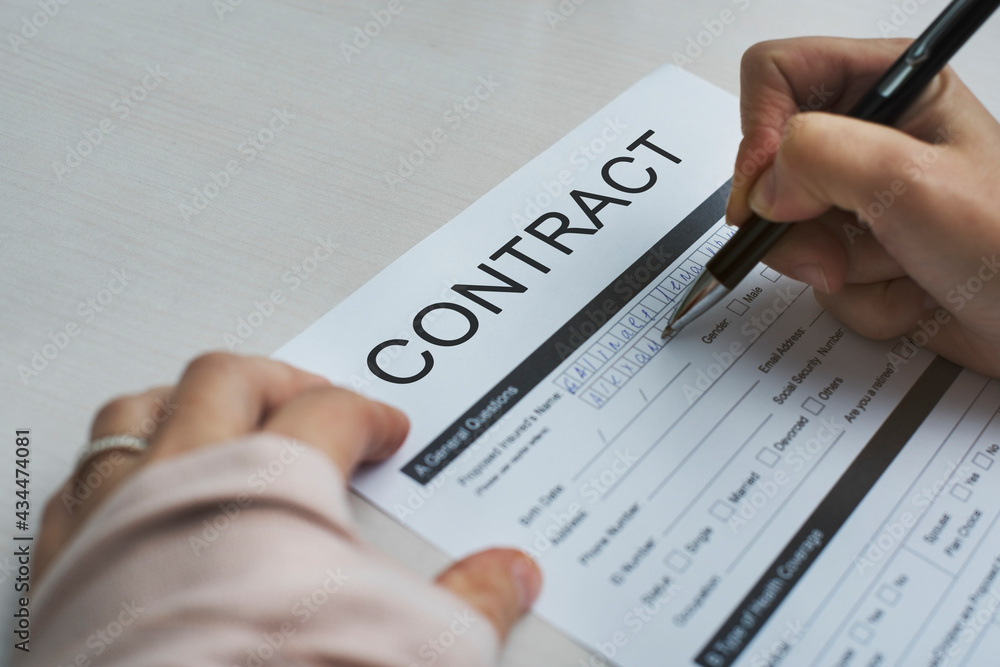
[(812, 405)]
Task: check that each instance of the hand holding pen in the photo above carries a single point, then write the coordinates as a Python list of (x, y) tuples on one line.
[(897, 221)]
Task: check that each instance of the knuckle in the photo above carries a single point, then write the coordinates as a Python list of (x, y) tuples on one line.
[(116, 409), (213, 362), (761, 52)]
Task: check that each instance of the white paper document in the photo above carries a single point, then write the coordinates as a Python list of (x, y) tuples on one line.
[(763, 488)]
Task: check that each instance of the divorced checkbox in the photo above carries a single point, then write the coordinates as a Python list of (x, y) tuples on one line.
[(678, 561), (738, 307), (721, 510), (770, 274), (961, 492), (768, 457), (982, 461), (812, 405), (889, 595)]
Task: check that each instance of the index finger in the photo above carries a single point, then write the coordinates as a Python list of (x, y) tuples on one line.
[(222, 396), (783, 77)]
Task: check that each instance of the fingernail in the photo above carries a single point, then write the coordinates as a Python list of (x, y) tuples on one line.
[(528, 580), (812, 275), (762, 194)]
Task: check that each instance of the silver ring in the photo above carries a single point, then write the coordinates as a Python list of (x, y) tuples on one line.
[(123, 441)]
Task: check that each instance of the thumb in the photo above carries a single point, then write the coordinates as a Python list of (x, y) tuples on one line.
[(501, 584), (827, 160)]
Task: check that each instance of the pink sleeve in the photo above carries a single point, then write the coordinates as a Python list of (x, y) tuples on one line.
[(242, 554)]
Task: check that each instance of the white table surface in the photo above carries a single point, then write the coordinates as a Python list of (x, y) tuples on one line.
[(62, 235)]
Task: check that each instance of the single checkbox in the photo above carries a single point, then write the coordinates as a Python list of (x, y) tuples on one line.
[(678, 561)]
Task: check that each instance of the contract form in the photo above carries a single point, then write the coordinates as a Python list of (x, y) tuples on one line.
[(765, 487)]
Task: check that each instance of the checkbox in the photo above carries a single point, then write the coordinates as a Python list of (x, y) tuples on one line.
[(961, 492), (862, 633), (812, 405), (982, 461), (721, 510), (903, 351), (678, 561), (738, 307), (889, 595), (768, 457), (770, 274)]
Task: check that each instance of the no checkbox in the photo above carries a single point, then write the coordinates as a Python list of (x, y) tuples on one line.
[(678, 561), (982, 461)]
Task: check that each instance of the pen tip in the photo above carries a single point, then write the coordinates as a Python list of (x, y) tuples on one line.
[(667, 331)]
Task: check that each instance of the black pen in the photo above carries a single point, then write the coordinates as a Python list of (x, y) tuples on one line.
[(884, 103)]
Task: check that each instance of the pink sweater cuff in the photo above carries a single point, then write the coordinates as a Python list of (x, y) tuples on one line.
[(242, 553)]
